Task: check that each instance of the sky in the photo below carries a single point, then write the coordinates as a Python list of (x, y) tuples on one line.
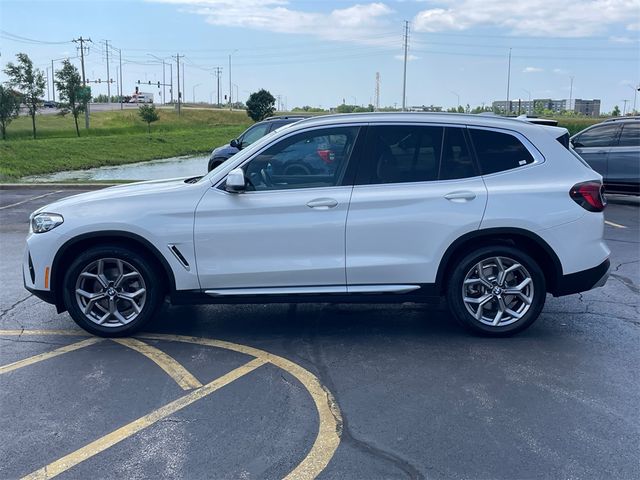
[(324, 52)]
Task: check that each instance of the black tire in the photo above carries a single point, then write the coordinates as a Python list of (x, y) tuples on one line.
[(215, 162), (148, 277), (468, 265)]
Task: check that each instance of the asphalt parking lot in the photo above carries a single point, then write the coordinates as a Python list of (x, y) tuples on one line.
[(333, 391)]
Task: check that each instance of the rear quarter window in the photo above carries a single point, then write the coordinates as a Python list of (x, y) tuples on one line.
[(498, 151)]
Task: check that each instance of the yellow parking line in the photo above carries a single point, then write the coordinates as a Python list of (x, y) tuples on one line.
[(617, 225), (109, 440), (329, 416), (167, 363), (44, 356)]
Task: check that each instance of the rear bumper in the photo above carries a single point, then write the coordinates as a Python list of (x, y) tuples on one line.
[(584, 280)]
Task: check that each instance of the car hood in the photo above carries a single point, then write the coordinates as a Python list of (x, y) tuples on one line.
[(224, 151), (119, 193)]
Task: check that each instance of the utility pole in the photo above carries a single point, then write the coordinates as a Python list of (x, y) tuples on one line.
[(121, 91), (230, 104), (177, 57), (184, 84), (106, 43), (508, 83), (53, 84), (377, 91), (570, 95), (624, 109), (81, 41), (218, 73), (279, 97), (404, 77), (171, 81)]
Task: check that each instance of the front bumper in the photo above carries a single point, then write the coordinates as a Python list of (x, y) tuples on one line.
[(584, 280)]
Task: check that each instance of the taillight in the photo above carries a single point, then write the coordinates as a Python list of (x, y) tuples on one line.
[(589, 195)]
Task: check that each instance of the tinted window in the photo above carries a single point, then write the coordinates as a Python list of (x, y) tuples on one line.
[(399, 154), (456, 161), (601, 136), (630, 136), (498, 151), (254, 133), (306, 160)]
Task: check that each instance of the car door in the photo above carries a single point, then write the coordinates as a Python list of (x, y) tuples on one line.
[(286, 230), (417, 189), (624, 158), (594, 144)]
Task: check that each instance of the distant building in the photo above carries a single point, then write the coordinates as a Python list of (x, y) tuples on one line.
[(424, 108), (589, 108)]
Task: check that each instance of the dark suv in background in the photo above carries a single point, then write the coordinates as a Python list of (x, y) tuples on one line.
[(250, 135), (612, 148)]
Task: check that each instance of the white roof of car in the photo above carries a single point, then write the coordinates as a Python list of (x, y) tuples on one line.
[(419, 117)]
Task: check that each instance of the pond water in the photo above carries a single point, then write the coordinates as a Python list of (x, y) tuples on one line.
[(150, 170)]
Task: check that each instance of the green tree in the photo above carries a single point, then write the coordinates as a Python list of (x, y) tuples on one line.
[(9, 108), (74, 97), (616, 111), (29, 81), (149, 114), (261, 104)]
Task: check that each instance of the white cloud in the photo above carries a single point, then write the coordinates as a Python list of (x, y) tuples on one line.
[(560, 18), (622, 40), (410, 57), (358, 22), (532, 70), (560, 71)]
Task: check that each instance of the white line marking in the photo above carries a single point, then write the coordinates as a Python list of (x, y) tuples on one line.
[(614, 224), (30, 199)]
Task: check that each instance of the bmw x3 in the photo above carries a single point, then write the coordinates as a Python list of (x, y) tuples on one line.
[(491, 213)]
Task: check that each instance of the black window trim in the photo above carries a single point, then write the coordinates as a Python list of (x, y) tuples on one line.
[(358, 179), (537, 156), (348, 175), (616, 137)]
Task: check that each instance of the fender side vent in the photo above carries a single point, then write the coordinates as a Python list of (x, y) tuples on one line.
[(178, 254), (32, 272)]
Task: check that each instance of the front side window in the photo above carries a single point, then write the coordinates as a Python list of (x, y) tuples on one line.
[(600, 136), (254, 133), (311, 159), (497, 151), (630, 136)]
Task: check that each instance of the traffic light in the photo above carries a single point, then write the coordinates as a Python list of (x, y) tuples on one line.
[(138, 84), (137, 88), (158, 83)]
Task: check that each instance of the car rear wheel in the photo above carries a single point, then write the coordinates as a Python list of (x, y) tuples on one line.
[(496, 291), (112, 291)]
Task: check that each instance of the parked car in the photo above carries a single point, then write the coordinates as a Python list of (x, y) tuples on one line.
[(49, 104), (612, 148), (250, 135), (492, 213)]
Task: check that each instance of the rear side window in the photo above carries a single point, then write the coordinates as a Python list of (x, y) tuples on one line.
[(630, 136), (413, 153), (499, 151), (600, 136)]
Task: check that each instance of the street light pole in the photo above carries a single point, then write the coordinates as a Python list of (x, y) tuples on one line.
[(457, 95), (193, 91)]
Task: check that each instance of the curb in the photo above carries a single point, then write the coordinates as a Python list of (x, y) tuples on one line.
[(65, 186)]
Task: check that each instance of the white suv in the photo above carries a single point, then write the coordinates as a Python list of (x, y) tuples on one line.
[(491, 212)]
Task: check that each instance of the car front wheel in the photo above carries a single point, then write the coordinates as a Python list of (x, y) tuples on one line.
[(496, 291), (112, 291)]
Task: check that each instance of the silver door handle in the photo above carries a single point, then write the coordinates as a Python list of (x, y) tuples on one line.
[(322, 203), (460, 196)]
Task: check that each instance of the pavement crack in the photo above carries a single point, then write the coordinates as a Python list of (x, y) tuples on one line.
[(345, 432), (14, 305), (626, 281)]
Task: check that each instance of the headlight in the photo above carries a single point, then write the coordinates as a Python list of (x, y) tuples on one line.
[(43, 222)]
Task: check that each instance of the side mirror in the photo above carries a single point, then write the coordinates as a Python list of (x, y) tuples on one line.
[(234, 143), (235, 182)]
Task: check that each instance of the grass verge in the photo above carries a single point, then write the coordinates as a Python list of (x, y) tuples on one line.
[(115, 138)]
